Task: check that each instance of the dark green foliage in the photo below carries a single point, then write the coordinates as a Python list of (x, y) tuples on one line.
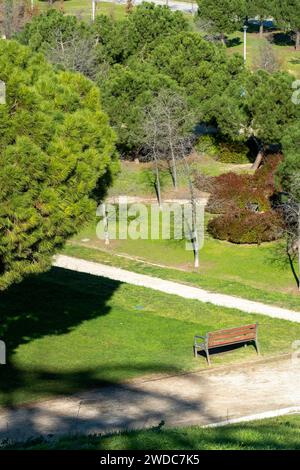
[(233, 152), (43, 30), (257, 104), (56, 148), (246, 226), (224, 151), (126, 92), (289, 170), (222, 16)]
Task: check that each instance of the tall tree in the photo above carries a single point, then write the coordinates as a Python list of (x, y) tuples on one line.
[(261, 9), (56, 156), (257, 106), (222, 16)]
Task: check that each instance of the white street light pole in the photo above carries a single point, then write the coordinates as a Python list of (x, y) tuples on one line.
[(93, 9), (245, 43)]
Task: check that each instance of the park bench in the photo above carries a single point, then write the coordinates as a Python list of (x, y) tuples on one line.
[(222, 338)]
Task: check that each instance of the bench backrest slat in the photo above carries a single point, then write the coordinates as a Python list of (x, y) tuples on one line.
[(232, 335)]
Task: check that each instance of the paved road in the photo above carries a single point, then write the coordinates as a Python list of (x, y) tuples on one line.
[(175, 288), (201, 398)]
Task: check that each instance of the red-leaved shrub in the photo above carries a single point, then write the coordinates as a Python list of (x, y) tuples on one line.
[(245, 226)]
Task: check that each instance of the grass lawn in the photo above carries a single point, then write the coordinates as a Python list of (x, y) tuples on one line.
[(138, 179), (83, 8), (67, 331), (273, 434), (251, 271)]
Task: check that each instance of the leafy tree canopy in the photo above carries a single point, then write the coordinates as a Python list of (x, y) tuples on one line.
[(56, 153), (222, 16)]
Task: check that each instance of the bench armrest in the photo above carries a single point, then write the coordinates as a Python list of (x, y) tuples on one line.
[(198, 337)]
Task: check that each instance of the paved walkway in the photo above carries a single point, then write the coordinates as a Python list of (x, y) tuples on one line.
[(201, 398), (170, 287), (187, 7)]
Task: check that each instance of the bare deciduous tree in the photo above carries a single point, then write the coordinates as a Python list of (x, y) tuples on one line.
[(14, 14), (291, 212), (76, 53), (266, 59), (169, 111)]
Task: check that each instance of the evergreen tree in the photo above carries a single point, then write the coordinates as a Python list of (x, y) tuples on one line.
[(222, 16), (287, 14), (56, 155)]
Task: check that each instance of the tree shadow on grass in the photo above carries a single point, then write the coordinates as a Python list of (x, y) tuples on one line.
[(233, 42), (108, 407), (52, 303), (282, 39)]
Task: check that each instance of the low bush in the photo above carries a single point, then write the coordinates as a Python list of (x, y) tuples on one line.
[(232, 191), (207, 145), (245, 226), (223, 151), (232, 152)]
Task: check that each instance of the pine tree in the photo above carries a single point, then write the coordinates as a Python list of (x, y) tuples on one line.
[(56, 155)]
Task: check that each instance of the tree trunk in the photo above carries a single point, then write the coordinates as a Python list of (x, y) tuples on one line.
[(297, 45), (157, 185), (258, 160), (174, 168), (196, 251), (194, 235), (223, 39), (105, 223), (261, 29)]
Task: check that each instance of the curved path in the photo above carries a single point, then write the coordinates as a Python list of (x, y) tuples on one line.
[(170, 287), (222, 395), (215, 396)]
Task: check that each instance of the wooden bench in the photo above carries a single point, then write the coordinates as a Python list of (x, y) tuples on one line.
[(221, 338)]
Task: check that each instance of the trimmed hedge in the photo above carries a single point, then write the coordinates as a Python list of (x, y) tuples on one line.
[(232, 191), (245, 226)]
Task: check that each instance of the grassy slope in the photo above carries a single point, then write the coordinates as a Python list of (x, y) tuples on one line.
[(75, 331), (255, 272), (277, 434), (83, 8), (289, 59)]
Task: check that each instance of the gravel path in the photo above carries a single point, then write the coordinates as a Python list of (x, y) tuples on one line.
[(203, 398), (170, 287)]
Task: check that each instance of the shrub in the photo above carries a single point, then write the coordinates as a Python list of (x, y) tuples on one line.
[(233, 152), (207, 145), (224, 151), (232, 191), (245, 226)]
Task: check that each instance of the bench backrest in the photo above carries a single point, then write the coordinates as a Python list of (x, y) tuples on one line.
[(232, 335)]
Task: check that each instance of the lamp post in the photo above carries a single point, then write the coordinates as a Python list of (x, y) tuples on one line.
[(245, 43), (93, 9)]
